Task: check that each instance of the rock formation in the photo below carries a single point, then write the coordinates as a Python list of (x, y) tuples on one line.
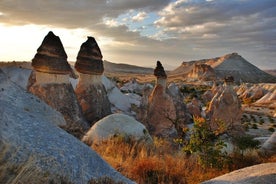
[(194, 107), (269, 147), (50, 82), (116, 125), (90, 91), (225, 109), (34, 150), (182, 116), (262, 173), (161, 111), (202, 72), (231, 64)]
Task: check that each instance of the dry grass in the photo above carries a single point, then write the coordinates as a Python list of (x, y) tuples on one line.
[(157, 163), (162, 162)]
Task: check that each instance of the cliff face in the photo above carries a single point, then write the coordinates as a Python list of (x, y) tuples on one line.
[(202, 72)]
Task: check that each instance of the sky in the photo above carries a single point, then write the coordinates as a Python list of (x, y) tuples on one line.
[(140, 32)]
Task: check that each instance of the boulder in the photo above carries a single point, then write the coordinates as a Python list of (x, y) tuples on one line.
[(90, 91), (116, 125), (262, 173), (34, 150)]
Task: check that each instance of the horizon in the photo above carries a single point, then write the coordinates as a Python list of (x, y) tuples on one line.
[(142, 32)]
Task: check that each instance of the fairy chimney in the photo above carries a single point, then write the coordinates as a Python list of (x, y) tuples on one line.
[(50, 82), (90, 91), (161, 110), (225, 110)]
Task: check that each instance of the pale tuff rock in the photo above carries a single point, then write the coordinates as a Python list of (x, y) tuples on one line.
[(34, 150), (269, 147), (116, 125), (268, 100), (161, 110), (262, 173), (50, 82), (225, 108), (252, 93), (90, 91)]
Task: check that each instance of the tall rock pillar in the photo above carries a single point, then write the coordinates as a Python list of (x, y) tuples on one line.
[(90, 91), (50, 82), (161, 110)]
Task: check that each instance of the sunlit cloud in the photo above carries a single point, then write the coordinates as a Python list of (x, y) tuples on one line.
[(138, 32), (140, 16)]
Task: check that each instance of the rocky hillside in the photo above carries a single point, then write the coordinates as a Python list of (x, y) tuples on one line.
[(230, 64)]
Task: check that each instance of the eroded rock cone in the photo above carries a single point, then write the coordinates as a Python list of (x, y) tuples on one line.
[(90, 91), (50, 82), (51, 56), (161, 111), (89, 60)]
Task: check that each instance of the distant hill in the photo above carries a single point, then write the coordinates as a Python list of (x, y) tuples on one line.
[(110, 67), (271, 72), (230, 64)]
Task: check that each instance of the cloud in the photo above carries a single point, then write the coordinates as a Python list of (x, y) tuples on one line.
[(184, 29), (139, 17)]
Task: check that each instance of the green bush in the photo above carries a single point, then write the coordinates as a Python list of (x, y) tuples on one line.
[(206, 145)]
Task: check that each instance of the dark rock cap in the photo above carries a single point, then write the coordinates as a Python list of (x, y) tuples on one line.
[(159, 71), (89, 60), (51, 56)]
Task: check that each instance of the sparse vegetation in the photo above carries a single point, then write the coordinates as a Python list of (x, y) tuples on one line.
[(166, 162), (243, 143), (254, 126), (271, 129)]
